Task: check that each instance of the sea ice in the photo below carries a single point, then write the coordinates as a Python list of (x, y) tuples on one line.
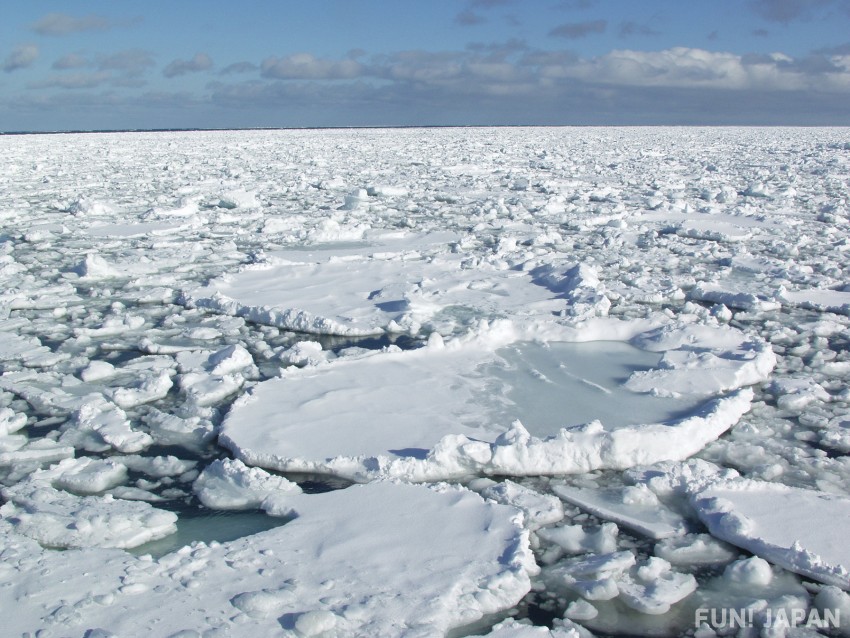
[(539, 509), (573, 300), (430, 413), (56, 518), (635, 507), (791, 527), (377, 560), (231, 485)]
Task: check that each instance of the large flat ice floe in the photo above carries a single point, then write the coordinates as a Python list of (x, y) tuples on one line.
[(375, 560), (448, 410), (396, 283), (791, 527)]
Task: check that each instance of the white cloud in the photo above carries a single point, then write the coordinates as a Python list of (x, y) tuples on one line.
[(20, 58), (73, 81), (305, 66), (682, 67), (63, 24), (201, 62), (70, 61), (131, 62)]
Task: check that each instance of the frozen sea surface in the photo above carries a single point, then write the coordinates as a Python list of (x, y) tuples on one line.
[(627, 351)]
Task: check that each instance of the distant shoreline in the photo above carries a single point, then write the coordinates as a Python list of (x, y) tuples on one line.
[(408, 126)]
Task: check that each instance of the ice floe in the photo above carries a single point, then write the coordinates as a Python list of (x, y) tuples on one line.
[(378, 560), (789, 526), (430, 413)]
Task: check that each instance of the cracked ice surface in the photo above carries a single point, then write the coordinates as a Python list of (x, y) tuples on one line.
[(559, 319)]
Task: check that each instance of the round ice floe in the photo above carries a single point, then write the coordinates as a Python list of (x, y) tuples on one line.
[(445, 411), (397, 286), (377, 560), (801, 530)]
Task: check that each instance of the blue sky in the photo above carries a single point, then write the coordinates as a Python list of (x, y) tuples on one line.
[(98, 64)]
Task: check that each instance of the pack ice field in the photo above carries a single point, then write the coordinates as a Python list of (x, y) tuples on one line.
[(425, 382)]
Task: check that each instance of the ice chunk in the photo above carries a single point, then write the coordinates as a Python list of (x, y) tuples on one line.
[(635, 507), (694, 549), (795, 394), (594, 578), (97, 371), (801, 530), (230, 359), (574, 539), (94, 267), (206, 389), (40, 451), (539, 509), (192, 433), (651, 588), (149, 389), (752, 590), (303, 353), (58, 519), (239, 199), (28, 351), (714, 229), (112, 325), (732, 298), (837, 301), (11, 421), (85, 475), (265, 602), (231, 485), (579, 284), (86, 207), (511, 628), (156, 466), (99, 425)]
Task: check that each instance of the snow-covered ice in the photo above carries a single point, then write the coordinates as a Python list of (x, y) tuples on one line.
[(629, 350), (789, 526), (449, 410), (379, 560)]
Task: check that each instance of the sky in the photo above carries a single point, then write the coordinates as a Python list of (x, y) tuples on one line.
[(102, 64)]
